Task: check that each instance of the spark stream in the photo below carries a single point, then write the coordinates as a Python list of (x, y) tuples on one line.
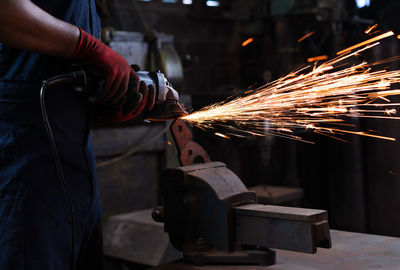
[(318, 98)]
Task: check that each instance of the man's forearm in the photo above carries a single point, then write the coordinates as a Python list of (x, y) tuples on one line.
[(25, 26)]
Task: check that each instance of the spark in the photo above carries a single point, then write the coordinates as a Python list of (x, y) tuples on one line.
[(370, 28), (369, 41), (306, 36), (390, 111), (317, 58), (317, 98), (247, 42), (222, 135)]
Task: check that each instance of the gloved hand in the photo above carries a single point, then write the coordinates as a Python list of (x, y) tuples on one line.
[(144, 88), (131, 105), (105, 62), (135, 103)]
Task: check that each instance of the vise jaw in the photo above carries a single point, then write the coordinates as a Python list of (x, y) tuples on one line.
[(209, 215)]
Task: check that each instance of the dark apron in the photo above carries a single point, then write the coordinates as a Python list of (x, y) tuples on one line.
[(35, 222)]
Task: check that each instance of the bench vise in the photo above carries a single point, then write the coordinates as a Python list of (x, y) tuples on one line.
[(213, 218)]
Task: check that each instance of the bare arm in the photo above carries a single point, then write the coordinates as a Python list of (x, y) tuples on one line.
[(25, 26)]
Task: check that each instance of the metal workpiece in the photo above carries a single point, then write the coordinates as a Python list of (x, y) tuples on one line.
[(296, 229), (189, 152)]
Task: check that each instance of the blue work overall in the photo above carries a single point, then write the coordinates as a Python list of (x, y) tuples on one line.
[(35, 221)]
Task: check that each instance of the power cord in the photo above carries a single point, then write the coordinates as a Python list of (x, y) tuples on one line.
[(79, 80), (67, 78)]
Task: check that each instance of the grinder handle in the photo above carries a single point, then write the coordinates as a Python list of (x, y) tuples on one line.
[(86, 82)]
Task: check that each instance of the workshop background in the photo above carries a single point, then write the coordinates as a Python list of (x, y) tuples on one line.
[(198, 44)]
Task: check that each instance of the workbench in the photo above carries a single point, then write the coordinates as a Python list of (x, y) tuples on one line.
[(350, 251)]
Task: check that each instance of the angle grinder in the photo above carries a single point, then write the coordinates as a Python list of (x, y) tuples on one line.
[(167, 106)]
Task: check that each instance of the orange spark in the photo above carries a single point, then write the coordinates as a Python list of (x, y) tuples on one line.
[(369, 41), (362, 133), (370, 28), (247, 42), (169, 143), (306, 36), (317, 58)]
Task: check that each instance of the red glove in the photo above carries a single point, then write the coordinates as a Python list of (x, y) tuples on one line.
[(133, 104), (105, 62), (130, 106)]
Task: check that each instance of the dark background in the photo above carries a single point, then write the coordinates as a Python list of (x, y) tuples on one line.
[(357, 182)]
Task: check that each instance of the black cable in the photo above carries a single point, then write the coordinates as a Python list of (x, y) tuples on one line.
[(56, 156)]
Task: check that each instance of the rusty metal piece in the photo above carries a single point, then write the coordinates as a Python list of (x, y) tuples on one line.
[(189, 152)]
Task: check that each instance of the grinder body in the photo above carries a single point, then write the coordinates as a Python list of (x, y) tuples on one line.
[(163, 88), (167, 106)]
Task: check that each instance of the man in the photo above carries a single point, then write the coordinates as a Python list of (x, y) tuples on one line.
[(40, 39)]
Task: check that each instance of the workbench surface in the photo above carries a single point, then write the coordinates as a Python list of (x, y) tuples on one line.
[(350, 251)]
